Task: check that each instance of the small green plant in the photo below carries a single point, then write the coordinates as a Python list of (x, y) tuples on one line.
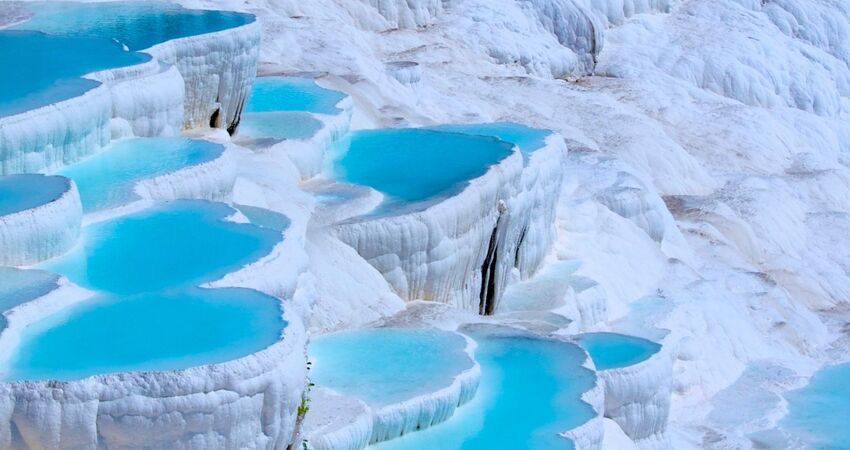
[(304, 445), (304, 406)]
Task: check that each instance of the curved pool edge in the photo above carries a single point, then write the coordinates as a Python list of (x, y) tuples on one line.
[(512, 201), (637, 398), (423, 411), (259, 391), (120, 105), (42, 232)]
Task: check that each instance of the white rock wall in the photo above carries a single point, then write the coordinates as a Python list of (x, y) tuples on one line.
[(218, 69), (437, 253), (49, 137), (33, 235), (637, 397), (249, 402)]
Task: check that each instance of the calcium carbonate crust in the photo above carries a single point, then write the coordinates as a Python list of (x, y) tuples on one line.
[(212, 75), (341, 425), (40, 233), (248, 402), (637, 397), (504, 218), (218, 69), (308, 155)]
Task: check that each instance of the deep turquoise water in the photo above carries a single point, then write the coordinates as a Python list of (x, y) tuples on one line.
[(819, 413), (410, 164), (292, 94), (39, 69), (177, 244), (138, 24), (613, 350), (279, 125), (108, 179), (385, 365), (530, 392), (526, 138), (152, 332), (27, 191)]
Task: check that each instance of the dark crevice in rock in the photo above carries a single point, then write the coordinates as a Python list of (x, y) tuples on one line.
[(519, 246), (231, 129), (215, 118), (487, 295)]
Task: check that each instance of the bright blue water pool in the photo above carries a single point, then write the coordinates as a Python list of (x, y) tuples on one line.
[(272, 94), (22, 192), (613, 350), (136, 24), (40, 69), (279, 125), (385, 365), (175, 244), (818, 413), (108, 179), (410, 164), (150, 332), (530, 392), (526, 138)]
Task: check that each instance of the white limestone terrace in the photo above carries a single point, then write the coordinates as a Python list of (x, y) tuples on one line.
[(407, 379), (40, 217), (296, 118), (133, 173), (250, 401), (199, 80), (462, 247), (247, 402), (637, 378)]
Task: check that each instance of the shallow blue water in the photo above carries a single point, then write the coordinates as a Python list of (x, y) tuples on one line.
[(108, 178), (264, 217), (136, 24), (27, 191), (279, 125), (151, 332), (526, 138), (613, 350), (819, 413), (530, 392), (44, 57), (271, 94), (39, 69), (410, 164), (19, 286), (176, 244), (386, 365)]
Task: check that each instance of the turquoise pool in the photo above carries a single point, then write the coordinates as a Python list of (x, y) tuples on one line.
[(40, 69), (108, 179), (279, 125), (411, 165), (22, 192), (383, 366), (613, 350), (271, 94), (175, 244), (135, 24), (528, 139), (530, 392), (818, 413), (150, 332)]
